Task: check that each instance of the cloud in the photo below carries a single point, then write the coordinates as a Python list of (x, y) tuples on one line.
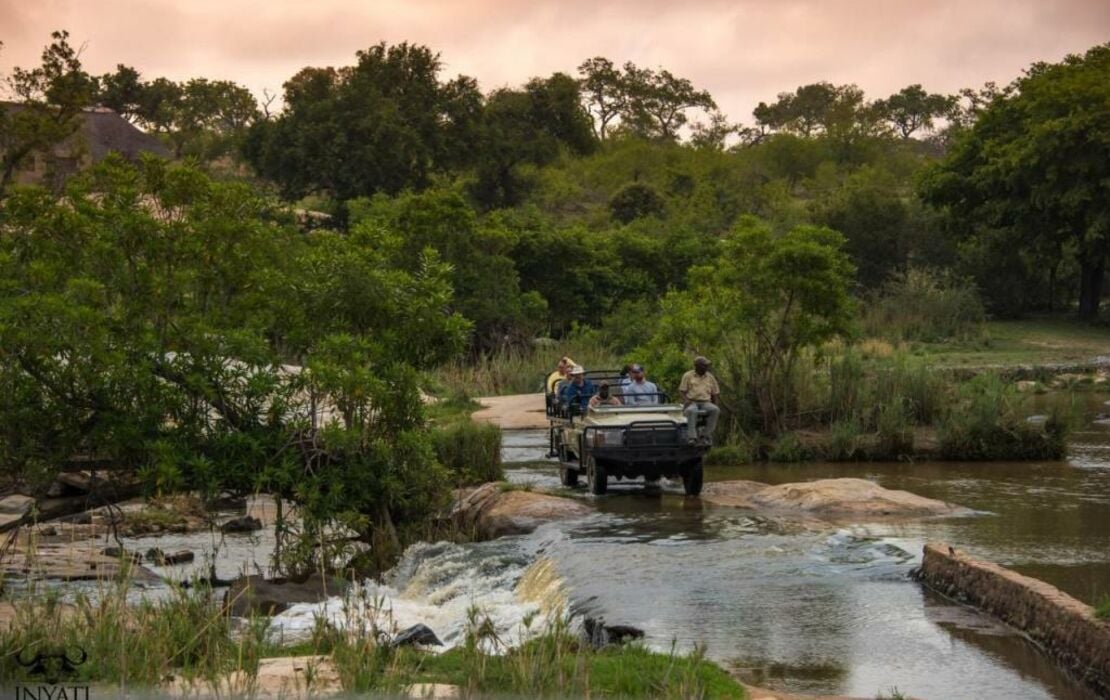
[(741, 51)]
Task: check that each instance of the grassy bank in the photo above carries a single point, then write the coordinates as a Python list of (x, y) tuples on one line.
[(1045, 341), (188, 637)]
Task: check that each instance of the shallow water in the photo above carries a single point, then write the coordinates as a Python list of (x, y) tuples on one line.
[(833, 611)]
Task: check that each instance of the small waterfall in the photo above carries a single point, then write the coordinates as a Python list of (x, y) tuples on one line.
[(438, 584)]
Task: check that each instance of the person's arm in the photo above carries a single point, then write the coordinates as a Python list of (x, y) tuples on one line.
[(683, 388), (714, 391)]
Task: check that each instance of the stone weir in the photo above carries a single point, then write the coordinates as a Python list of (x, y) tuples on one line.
[(1064, 627)]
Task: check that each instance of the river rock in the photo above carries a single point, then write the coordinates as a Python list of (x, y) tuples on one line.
[(245, 523), (491, 510), (256, 595), (416, 635), (829, 498)]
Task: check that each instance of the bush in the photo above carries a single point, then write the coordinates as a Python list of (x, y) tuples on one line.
[(844, 441), (730, 454), (919, 388), (790, 448), (895, 429), (470, 451), (636, 200), (990, 422), (926, 306)]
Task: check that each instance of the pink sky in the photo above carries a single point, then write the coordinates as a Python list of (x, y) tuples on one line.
[(741, 51)]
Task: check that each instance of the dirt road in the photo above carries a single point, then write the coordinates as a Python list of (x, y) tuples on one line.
[(516, 412)]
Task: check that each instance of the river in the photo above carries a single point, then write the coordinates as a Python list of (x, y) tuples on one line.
[(794, 607)]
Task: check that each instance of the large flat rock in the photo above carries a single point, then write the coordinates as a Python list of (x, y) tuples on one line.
[(493, 510), (837, 499)]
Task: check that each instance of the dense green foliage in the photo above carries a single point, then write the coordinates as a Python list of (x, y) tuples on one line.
[(185, 328), (1027, 182), (146, 319)]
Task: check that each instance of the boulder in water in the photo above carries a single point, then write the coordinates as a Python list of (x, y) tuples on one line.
[(256, 595), (600, 635), (491, 510), (245, 523), (829, 498), (416, 635)]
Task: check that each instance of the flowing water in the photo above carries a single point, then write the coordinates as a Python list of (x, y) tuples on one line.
[(791, 605), (788, 605)]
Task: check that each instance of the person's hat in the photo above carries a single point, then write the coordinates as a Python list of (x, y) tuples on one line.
[(577, 369), (636, 368), (700, 360)]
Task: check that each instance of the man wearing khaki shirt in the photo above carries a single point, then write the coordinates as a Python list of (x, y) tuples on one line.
[(700, 391)]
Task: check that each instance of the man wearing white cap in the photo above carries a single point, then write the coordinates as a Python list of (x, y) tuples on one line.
[(577, 392)]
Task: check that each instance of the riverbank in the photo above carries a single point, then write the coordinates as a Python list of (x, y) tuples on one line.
[(189, 644)]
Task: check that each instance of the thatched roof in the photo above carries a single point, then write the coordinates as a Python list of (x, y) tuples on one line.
[(103, 131)]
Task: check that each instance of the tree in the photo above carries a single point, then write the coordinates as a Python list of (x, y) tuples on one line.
[(754, 310), (527, 127), (912, 109), (122, 92), (656, 102), (635, 200), (1035, 163), (385, 124), (147, 318), (603, 91), (49, 101)]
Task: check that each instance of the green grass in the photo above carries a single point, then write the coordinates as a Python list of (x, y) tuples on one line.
[(1025, 342), (1102, 608)]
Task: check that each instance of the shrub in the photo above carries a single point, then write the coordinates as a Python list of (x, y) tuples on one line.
[(920, 389), (1102, 608), (742, 453), (471, 451), (846, 385), (844, 440), (790, 448), (636, 200), (927, 306), (990, 422), (895, 429)]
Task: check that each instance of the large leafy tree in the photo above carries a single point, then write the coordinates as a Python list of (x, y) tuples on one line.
[(49, 100), (170, 325), (766, 299), (385, 124), (528, 127), (1036, 164), (912, 109), (657, 102)]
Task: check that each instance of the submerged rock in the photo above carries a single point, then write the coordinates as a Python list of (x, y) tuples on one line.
[(416, 635), (245, 523), (492, 511), (256, 595), (829, 498)]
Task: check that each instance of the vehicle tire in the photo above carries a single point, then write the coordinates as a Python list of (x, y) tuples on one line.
[(595, 476), (568, 477), (691, 480)]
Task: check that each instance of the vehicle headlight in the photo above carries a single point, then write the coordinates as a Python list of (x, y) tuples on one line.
[(608, 436)]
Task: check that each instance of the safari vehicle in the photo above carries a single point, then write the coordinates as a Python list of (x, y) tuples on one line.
[(628, 441)]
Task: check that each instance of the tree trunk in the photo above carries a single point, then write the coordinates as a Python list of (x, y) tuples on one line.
[(1091, 273)]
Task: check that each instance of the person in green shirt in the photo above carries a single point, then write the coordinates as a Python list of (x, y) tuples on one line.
[(700, 393)]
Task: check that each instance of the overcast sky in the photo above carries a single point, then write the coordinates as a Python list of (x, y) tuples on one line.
[(742, 51)]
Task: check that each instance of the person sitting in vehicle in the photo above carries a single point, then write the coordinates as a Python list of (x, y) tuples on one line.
[(603, 397), (637, 390), (560, 374), (575, 395), (700, 393)]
